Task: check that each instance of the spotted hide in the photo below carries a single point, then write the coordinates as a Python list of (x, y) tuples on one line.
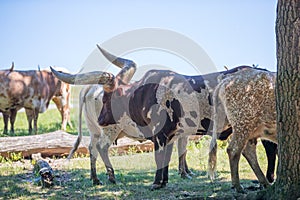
[(162, 105), (90, 101), (33, 91), (247, 99)]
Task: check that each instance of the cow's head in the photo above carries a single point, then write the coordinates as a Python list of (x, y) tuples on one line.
[(112, 85)]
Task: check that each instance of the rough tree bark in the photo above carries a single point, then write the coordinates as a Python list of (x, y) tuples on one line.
[(287, 185)]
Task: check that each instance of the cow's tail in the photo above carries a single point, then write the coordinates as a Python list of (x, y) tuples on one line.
[(218, 119), (82, 96)]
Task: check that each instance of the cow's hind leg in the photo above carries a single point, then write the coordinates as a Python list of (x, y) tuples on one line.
[(250, 154), (271, 151), (162, 158), (5, 120), (183, 167), (13, 115), (93, 158), (29, 115), (212, 160), (103, 146), (234, 151), (35, 119)]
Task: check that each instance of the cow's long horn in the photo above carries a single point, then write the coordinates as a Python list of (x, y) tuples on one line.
[(96, 77), (119, 62), (128, 66)]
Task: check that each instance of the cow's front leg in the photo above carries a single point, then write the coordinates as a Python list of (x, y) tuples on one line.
[(183, 167), (162, 158)]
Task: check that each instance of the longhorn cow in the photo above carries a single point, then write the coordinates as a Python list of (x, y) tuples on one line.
[(247, 99), (163, 105), (90, 101), (32, 90)]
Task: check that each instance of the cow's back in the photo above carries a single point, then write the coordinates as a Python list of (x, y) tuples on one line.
[(17, 88), (248, 96), (29, 89), (171, 97)]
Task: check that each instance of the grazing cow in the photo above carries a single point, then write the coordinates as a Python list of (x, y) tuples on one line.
[(10, 114), (163, 105), (32, 90), (62, 99), (247, 99), (90, 100)]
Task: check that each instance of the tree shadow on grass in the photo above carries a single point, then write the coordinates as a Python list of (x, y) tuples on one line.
[(76, 184), (41, 130)]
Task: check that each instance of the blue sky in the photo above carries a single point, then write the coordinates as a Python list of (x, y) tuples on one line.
[(64, 33)]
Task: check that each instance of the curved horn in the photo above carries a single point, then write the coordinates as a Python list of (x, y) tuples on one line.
[(128, 66), (96, 77), (119, 62)]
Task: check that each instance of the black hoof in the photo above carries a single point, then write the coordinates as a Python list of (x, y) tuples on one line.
[(97, 182), (239, 189), (191, 173), (186, 176), (156, 186), (112, 180)]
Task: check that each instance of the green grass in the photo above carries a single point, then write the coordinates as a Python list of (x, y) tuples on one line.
[(134, 173), (47, 122)]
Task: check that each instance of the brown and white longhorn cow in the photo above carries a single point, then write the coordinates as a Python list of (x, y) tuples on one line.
[(163, 105), (32, 90), (90, 101), (247, 99)]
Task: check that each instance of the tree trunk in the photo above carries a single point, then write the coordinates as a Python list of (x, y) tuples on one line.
[(287, 185)]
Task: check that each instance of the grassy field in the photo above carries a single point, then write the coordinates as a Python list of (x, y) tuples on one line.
[(134, 172)]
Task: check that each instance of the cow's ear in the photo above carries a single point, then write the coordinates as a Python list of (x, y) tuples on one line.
[(118, 92), (110, 86)]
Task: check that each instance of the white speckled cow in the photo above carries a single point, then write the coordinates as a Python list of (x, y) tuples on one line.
[(247, 99), (163, 105), (32, 90), (90, 100)]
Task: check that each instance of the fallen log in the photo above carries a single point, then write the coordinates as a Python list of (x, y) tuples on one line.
[(59, 143)]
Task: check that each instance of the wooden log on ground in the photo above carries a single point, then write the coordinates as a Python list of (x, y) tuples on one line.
[(59, 143)]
